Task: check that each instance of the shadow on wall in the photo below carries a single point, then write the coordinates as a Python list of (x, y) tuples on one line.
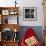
[(37, 29)]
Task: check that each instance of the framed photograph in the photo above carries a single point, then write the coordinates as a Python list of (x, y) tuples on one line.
[(5, 12), (30, 13), (13, 12)]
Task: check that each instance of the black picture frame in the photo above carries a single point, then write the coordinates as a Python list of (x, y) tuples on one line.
[(30, 13)]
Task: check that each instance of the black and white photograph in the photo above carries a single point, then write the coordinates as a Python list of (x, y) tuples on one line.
[(30, 13)]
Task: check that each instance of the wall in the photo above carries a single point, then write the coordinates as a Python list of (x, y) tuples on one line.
[(26, 3), (38, 5)]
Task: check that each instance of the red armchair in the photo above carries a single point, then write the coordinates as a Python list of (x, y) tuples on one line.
[(28, 34)]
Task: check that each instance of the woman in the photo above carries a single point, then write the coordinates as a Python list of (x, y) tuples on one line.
[(30, 38)]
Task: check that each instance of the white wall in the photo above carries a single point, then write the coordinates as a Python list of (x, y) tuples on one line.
[(38, 5), (26, 3)]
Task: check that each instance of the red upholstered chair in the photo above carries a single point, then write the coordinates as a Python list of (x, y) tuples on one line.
[(29, 33)]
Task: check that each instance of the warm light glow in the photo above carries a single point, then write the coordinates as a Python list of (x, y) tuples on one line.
[(15, 30), (0, 17), (0, 36)]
